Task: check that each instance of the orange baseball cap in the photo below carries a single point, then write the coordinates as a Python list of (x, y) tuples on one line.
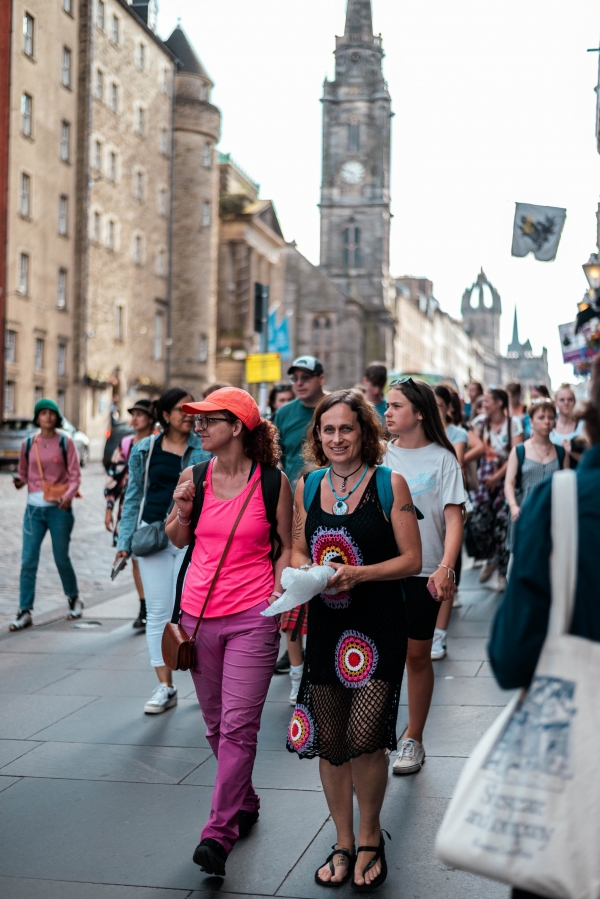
[(233, 400)]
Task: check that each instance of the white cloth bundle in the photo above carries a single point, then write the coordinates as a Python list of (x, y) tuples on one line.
[(300, 585)]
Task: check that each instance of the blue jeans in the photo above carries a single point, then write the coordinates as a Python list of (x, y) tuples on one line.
[(38, 520)]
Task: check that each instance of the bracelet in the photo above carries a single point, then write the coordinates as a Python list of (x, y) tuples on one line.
[(305, 567), (275, 593), (448, 569), (185, 523)]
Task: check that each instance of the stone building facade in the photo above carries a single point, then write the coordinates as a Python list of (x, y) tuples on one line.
[(522, 365), (40, 207), (197, 128)]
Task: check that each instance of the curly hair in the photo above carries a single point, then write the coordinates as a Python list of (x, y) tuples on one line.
[(261, 444), (372, 449)]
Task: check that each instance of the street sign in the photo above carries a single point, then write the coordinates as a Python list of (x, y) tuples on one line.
[(263, 367)]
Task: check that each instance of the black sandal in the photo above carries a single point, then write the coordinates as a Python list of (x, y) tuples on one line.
[(329, 861), (379, 854)]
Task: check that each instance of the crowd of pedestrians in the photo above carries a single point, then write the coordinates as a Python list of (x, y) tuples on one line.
[(388, 483)]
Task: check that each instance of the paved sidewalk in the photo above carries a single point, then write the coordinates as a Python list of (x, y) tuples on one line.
[(98, 801)]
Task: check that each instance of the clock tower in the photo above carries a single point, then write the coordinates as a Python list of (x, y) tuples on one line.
[(355, 189)]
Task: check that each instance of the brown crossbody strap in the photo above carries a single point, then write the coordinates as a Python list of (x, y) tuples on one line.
[(220, 565), (39, 461)]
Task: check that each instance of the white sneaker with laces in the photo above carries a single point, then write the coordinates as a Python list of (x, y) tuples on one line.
[(162, 699), (438, 647), (75, 607), (411, 757), (22, 621)]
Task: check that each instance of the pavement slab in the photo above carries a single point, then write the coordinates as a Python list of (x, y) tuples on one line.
[(13, 749), (26, 888), (273, 770), (6, 782), (22, 716)]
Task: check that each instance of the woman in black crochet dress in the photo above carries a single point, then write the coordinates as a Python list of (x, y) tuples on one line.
[(356, 641)]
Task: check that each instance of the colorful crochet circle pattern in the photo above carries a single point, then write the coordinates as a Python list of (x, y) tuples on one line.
[(301, 731), (326, 544), (356, 658)]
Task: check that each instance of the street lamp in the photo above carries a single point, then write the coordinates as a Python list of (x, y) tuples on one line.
[(591, 270)]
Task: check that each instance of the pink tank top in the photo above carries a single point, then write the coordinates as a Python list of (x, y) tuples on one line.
[(246, 578)]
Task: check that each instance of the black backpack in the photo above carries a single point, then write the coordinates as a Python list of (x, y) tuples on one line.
[(62, 442), (270, 482)]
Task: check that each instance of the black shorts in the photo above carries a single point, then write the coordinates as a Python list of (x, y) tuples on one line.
[(421, 608)]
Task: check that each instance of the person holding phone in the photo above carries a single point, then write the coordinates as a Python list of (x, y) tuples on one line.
[(421, 451), (49, 466)]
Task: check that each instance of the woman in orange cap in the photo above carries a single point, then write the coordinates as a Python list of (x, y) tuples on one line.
[(246, 505)]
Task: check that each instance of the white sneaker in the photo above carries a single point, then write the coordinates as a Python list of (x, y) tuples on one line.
[(410, 759), (75, 607), (22, 621), (438, 647), (162, 699), (487, 571), (296, 679)]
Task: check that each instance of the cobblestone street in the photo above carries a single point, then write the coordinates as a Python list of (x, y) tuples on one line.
[(91, 551)]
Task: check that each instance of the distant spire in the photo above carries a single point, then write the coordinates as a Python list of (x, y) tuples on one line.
[(359, 18), (515, 337)]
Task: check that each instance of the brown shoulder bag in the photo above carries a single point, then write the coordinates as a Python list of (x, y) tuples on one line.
[(53, 493), (177, 646)]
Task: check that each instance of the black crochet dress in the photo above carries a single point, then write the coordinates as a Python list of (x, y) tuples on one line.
[(356, 642)]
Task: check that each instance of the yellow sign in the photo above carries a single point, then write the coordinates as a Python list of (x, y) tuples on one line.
[(263, 367)]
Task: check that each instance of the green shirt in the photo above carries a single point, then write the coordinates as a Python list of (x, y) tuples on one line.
[(292, 422)]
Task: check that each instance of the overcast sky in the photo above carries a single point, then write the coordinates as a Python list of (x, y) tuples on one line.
[(494, 103)]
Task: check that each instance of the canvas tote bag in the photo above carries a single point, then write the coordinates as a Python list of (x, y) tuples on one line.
[(526, 810)]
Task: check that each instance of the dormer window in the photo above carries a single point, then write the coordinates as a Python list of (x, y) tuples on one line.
[(204, 92)]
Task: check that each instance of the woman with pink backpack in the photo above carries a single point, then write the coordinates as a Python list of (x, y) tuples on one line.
[(142, 422)]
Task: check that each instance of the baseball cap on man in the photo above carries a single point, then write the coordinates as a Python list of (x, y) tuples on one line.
[(47, 403), (233, 400), (307, 363)]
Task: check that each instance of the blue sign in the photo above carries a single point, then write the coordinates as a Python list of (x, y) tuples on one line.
[(279, 336)]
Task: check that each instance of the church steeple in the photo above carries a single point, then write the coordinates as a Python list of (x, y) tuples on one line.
[(359, 20), (515, 337)]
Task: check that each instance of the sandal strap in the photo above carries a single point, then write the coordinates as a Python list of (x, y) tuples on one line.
[(368, 849), (345, 852)]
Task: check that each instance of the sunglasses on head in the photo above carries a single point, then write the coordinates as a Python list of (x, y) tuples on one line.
[(399, 381)]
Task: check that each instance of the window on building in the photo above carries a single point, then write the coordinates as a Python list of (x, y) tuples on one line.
[(110, 235), (96, 227), (100, 14), (206, 213), (160, 263), (38, 393), (352, 249), (115, 29), (354, 138), (112, 166), (25, 203), (322, 339), (24, 274), (203, 349), (60, 401), (26, 114), (141, 120), (119, 323), (165, 80), (68, 6), (63, 215), (162, 201), (99, 84), (10, 345), (163, 141), (65, 141), (65, 75), (204, 92), (142, 56), (61, 358), (114, 97), (158, 336), (137, 249), (98, 155), (139, 185), (9, 396), (28, 25), (61, 289), (38, 354), (207, 155)]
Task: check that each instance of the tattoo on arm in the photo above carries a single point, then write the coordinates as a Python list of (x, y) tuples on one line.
[(297, 525), (409, 507)]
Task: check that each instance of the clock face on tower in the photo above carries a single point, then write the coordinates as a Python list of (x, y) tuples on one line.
[(353, 172)]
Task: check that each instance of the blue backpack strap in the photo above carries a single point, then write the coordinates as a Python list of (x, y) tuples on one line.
[(63, 448), (28, 445), (520, 447), (383, 476), (560, 455), (312, 482)]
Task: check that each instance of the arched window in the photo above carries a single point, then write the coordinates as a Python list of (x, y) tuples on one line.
[(354, 137), (352, 247), (322, 340)]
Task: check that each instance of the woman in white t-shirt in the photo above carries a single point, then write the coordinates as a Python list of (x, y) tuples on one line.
[(568, 428), (496, 432), (422, 453)]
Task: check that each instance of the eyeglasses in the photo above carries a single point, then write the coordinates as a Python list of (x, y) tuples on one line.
[(302, 379), (405, 380), (203, 421)]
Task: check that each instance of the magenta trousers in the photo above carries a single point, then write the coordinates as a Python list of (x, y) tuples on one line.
[(234, 662)]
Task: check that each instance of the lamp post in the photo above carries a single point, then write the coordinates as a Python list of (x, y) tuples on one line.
[(591, 270), (589, 306)]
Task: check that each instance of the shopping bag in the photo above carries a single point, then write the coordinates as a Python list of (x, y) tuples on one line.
[(526, 810)]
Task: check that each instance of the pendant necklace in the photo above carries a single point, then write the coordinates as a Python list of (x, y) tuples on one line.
[(340, 507), (344, 477)]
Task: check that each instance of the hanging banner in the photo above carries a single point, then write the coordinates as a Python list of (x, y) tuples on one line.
[(537, 230), (575, 347), (263, 367), (279, 337)]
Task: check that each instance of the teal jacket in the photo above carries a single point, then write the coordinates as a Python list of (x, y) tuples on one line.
[(521, 621), (135, 486)]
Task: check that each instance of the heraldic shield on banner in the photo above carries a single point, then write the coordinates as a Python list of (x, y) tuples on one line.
[(537, 230)]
